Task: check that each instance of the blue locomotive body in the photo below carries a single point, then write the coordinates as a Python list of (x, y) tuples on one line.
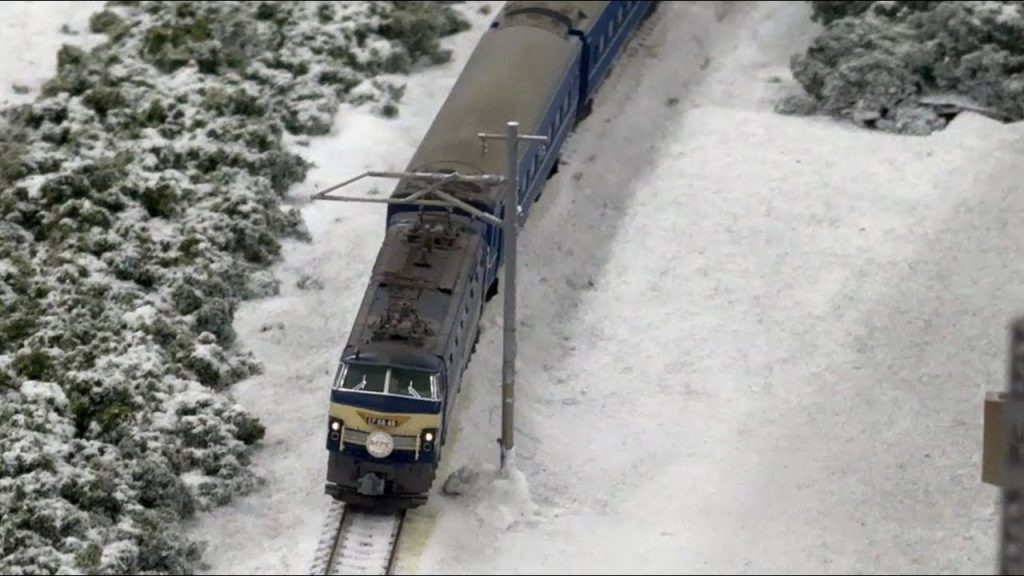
[(540, 64)]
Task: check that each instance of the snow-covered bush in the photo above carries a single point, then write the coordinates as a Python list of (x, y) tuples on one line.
[(888, 64), (139, 204)]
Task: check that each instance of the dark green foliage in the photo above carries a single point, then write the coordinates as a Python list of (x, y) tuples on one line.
[(266, 11), (159, 200), (186, 298), (325, 12), (34, 365), (88, 558), (214, 316), (157, 552), (62, 188), (105, 404), (159, 487), (828, 11), (104, 174), (17, 326), (209, 373), (155, 113), (249, 430), (170, 47), (877, 60), (418, 26), (103, 100), (12, 165), (69, 57), (8, 381), (107, 22)]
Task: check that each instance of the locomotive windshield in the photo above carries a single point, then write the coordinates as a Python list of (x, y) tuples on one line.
[(410, 383), (365, 378), (385, 380)]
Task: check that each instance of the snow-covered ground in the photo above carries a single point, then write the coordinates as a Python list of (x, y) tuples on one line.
[(780, 365), (748, 342), (30, 36), (781, 362)]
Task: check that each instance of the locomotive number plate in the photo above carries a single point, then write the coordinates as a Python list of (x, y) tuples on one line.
[(383, 421)]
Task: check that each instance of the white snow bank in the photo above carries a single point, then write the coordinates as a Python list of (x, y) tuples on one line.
[(499, 497)]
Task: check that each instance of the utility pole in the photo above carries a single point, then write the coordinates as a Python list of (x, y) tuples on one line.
[(509, 224), (1011, 550), (509, 237)]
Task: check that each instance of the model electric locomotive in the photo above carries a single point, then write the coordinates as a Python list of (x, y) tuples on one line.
[(393, 396)]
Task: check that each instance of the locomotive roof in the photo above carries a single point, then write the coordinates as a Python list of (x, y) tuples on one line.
[(407, 313)]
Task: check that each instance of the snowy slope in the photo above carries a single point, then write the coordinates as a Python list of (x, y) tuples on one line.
[(749, 342)]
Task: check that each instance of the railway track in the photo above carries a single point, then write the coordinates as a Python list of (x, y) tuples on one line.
[(354, 541)]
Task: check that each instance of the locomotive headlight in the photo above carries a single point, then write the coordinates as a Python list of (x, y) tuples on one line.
[(379, 444), (335, 428), (429, 436)]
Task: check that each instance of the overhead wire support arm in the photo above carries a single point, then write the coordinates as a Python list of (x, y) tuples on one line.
[(484, 137), (417, 198), (429, 176)]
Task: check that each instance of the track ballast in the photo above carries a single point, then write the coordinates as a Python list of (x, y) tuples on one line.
[(355, 541)]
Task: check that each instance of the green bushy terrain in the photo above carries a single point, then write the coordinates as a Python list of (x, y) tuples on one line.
[(888, 64), (140, 202)]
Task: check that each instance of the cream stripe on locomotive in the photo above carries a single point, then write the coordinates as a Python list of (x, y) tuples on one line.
[(396, 424)]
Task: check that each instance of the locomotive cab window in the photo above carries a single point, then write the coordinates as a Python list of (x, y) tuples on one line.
[(412, 383), (384, 380), (364, 378)]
